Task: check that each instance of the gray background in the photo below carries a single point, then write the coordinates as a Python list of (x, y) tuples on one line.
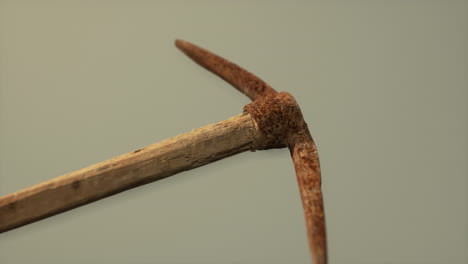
[(382, 84)]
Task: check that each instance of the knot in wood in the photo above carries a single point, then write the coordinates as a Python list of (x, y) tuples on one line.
[(278, 118)]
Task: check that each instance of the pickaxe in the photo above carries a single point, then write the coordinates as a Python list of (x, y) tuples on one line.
[(272, 120)]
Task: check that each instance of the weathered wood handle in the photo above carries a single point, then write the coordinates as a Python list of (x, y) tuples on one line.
[(187, 151)]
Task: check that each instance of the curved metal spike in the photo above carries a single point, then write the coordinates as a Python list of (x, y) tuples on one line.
[(242, 80), (307, 166), (281, 121), (300, 144)]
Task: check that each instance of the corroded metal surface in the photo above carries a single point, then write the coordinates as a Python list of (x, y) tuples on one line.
[(279, 118), (272, 120), (242, 80)]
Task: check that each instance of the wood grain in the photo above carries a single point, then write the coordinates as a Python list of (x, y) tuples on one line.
[(187, 151)]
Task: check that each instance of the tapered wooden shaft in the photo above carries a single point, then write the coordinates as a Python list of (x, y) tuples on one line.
[(154, 162)]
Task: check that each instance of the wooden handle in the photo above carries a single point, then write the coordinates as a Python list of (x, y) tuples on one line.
[(154, 162)]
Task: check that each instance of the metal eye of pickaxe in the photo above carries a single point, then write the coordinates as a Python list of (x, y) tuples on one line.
[(272, 120)]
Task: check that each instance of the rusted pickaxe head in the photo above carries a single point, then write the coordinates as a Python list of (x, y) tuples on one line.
[(279, 118), (272, 120)]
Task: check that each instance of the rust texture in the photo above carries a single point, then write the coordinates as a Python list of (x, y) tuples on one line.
[(242, 80), (277, 118), (272, 120), (307, 166), (280, 120)]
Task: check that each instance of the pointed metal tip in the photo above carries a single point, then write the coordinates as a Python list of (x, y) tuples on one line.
[(191, 50), (181, 44), (244, 81)]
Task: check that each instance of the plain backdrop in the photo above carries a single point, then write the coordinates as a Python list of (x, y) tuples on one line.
[(382, 84)]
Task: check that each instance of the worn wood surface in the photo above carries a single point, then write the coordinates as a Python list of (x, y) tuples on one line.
[(187, 151)]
